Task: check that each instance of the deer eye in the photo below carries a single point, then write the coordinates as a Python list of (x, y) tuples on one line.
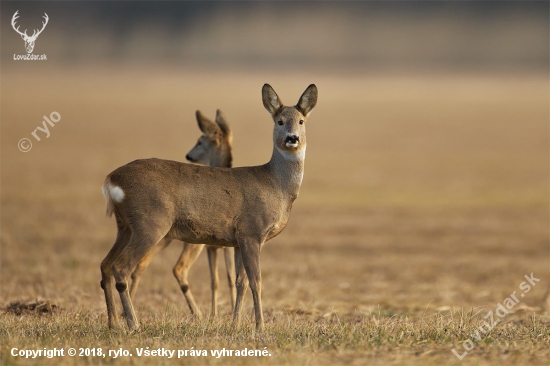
[(280, 123), (301, 121), (199, 143)]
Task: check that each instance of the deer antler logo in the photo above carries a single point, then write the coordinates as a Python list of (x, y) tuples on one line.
[(29, 41)]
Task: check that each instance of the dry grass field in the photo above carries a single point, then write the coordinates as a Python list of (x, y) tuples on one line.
[(424, 204)]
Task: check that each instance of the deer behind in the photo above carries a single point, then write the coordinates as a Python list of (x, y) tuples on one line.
[(212, 149), (241, 207)]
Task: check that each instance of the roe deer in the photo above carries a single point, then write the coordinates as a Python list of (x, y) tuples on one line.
[(243, 207), (212, 149)]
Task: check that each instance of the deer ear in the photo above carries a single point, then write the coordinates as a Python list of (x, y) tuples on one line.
[(222, 123), (209, 128), (308, 100), (271, 100)]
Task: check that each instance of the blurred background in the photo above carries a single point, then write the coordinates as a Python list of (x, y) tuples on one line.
[(427, 169), (335, 35)]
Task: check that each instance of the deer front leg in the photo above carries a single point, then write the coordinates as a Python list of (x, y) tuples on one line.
[(214, 280), (186, 260), (230, 269), (250, 253), (241, 283)]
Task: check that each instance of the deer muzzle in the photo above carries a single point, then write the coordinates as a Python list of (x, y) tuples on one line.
[(292, 140)]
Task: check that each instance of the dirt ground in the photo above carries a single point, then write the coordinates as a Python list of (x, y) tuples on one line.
[(425, 201)]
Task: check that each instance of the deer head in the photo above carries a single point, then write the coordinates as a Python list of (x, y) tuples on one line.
[(29, 41), (214, 147)]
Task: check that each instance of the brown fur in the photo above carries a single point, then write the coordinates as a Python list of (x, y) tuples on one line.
[(169, 199), (212, 149)]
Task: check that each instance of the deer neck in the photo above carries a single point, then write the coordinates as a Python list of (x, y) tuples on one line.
[(288, 170), (223, 160)]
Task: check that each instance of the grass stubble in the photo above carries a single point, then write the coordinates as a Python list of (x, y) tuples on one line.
[(290, 338)]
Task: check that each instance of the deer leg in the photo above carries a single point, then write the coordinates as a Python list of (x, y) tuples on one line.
[(250, 253), (140, 244), (230, 268), (123, 237), (241, 283), (214, 280), (186, 260), (546, 305), (143, 264)]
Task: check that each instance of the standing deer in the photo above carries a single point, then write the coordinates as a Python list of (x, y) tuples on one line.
[(243, 207), (29, 41), (212, 149)]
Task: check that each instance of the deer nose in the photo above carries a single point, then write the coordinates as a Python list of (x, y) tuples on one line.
[(188, 157), (292, 139)]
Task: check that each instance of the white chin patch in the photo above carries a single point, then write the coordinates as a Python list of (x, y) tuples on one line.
[(291, 144), (293, 156)]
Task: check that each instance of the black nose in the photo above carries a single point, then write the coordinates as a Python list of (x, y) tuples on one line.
[(188, 157), (292, 139)]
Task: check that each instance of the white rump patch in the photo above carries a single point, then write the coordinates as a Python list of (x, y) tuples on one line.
[(112, 194), (116, 193)]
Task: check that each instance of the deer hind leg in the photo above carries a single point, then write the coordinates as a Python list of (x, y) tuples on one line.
[(123, 237), (141, 242), (143, 264), (186, 260), (241, 283), (230, 268), (214, 279)]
